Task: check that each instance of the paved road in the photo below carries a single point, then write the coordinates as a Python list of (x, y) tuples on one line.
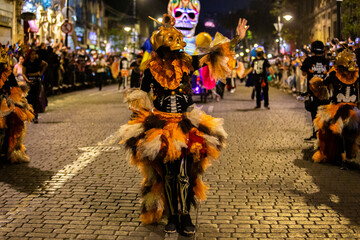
[(79, 185)]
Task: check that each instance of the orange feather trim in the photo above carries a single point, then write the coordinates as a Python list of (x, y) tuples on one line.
[(3, 122), (4, 76), (200, 189), (4, 107), (209, 122), (157, 188), (319, 157), (346, 77), (205, 163), (22, 115), (169, 74), (152, 216), (212, 152), (29, 115), (16, 94)]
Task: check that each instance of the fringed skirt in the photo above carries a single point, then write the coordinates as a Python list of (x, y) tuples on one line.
[(154, 138), (338, 126)]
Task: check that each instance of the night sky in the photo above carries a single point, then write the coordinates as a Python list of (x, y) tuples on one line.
[(224, 12), (223, 5), (160, 6)]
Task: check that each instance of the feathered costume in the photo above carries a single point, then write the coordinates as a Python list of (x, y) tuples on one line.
[(14, 111), (167, 130), (338, 122)]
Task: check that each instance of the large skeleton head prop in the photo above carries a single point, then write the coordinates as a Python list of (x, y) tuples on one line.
[(186, 14)]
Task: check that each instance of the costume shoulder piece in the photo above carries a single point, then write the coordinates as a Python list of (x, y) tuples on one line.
[(220, 58), (169, 73), (346, 77), (345, 68)]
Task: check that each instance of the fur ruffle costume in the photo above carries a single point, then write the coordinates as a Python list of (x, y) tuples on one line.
[(164, 128), (155, 138), (14, 111), (338, 122)]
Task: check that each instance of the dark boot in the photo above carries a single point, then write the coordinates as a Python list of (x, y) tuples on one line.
[(173, 223), (186, 226)]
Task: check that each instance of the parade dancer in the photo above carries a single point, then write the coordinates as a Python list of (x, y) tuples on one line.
[(338, 122), (314, 66), (171, 141), (14, 111), (260, 67)]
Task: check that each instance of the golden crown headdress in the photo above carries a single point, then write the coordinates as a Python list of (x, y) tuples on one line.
[(347, 59)]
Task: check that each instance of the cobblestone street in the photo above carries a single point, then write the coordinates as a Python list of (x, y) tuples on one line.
[(79, 185)]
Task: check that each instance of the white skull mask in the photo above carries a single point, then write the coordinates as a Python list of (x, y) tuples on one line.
[(186, 14)]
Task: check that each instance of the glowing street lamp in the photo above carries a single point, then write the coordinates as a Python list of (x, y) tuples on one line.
[(127, 29), (288, 17), (278, 26)]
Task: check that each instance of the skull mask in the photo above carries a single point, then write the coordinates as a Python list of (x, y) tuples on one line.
[(186, 14), (167, 35)]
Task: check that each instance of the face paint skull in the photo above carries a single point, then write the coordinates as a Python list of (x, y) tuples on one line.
[(186, 14)]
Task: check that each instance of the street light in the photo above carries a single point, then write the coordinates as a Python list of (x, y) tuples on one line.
[(288, 17), (278, 26)]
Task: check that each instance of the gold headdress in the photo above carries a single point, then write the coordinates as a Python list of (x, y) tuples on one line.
[(167, 35), (347, 59)]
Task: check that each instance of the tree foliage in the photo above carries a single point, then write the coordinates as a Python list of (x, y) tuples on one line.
[(351, 18), (280, 8)]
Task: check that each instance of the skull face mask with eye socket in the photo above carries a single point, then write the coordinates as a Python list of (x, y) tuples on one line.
[(186, 14), (167, 35)]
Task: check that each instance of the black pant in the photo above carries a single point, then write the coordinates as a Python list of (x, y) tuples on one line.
[(315, 104), (177, 188), (265, 90), (100, 79)]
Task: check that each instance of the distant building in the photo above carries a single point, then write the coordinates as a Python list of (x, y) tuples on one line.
[(318, 20)]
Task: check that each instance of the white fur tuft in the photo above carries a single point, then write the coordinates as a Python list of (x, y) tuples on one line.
[(128, 131), (151, 149), (211, 140), (195, 115), (138, 99)]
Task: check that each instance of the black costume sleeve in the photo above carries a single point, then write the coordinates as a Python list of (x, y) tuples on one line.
[(327, 65), (267, 63), (146, 81), (327, 81), (305, 65), (196, 62)]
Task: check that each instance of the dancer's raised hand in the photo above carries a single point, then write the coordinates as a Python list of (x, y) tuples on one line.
[(241, 28)]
